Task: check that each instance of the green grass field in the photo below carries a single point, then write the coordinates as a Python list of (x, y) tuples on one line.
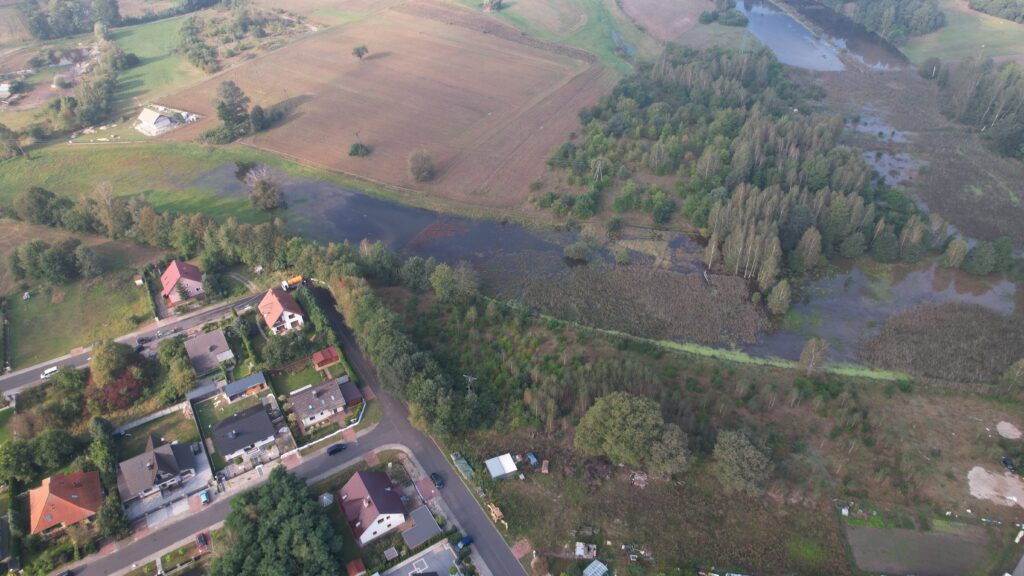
[(55, 320), (965, 34), (288, 382), (5, 417), (170, 427), (161, 72)]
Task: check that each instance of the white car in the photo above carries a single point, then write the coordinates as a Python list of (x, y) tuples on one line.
[(48, 372)]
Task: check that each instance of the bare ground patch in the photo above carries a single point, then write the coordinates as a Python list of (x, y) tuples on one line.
[(1008, 430), (894, 550), (1004, 489), (488, 103)]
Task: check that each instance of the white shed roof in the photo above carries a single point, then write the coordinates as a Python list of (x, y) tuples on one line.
[(596, 568), (501, 466)]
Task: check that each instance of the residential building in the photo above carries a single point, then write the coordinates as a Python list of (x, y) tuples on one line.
[(372, 505), (181, 281), (326, 357), (244, 387), (318, 403), (208, 351), (63, 500), (280, 311), (162, 466), (424, 527), (246, 431), (153, 123)]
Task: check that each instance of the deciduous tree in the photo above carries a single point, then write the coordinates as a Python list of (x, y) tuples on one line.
[(739, 465), (813, 356)]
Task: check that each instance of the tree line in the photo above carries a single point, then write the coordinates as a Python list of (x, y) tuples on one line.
[(1012, 10), (894, 20), (985, 95), (50, 19)]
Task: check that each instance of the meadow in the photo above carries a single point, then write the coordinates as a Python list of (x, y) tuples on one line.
[(162, 69), (12, 29), (968, 33)]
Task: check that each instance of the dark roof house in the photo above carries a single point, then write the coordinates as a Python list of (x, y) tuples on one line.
[(372, 505), (208, 351), (246, 430), (161, 464), (251, 384)]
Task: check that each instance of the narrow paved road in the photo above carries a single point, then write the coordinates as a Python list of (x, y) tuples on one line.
[(394, 428), (30, 376)]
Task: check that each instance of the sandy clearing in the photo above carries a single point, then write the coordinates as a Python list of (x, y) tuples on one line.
[(1004, 489), (1009, 431)]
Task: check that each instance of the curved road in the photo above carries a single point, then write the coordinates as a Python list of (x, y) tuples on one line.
[(394, 428)]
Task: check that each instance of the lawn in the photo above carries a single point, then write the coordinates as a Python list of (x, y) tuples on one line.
[(175, 557), (211, 411), (5, 417), (56, 320), (172, 427), (967, 33), (163, 69), (144, 570), (288, 382)]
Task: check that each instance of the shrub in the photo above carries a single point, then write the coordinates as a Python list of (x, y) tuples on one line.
[(359, 150), (421, 166)]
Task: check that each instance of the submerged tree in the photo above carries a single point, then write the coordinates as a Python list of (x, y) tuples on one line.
[(265, 193), (813, 356)]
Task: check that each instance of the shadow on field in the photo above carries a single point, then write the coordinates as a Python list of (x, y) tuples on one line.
[(376, 55), (287, 108)]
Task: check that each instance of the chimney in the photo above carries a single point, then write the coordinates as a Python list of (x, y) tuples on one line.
[(366, 502), (344, 496)]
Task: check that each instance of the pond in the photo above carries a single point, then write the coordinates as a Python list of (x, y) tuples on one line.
[(855, 304), (796, 45)]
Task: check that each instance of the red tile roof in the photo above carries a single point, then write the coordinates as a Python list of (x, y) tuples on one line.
[(275, 303), (325, 357), (368, 495), (64, 500), (356, 567), (177, 270)]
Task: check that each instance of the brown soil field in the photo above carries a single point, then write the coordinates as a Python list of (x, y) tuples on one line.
[(901, 551), (136, 8), (554, 16), (665, 20), (116, 253), (12, 29), (331, 11), (488, 103)]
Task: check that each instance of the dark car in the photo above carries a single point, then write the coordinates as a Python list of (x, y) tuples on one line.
[(1008, 464), (466, 541), (201, 541), (335, 448), (437, 480), (66, 573)]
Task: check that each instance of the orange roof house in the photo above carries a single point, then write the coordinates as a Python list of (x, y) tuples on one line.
[(63, 500), (280, 311), (326, 357), (181, 280)]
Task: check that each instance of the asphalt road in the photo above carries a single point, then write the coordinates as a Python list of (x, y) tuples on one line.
[(30, 376), (394, 428)]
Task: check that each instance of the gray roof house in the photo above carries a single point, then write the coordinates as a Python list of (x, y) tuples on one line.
[(423, 529), (251, 384), (247, 430), (160, 467), (318, 403), (208, 351)]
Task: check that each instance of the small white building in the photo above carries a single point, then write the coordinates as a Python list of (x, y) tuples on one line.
[(501, 466), (153, 123), (596, 568)]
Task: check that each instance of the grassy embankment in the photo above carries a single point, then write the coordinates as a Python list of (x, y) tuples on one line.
[(968, 33)]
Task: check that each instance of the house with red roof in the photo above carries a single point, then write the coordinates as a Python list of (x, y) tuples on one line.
[(63, 500), (181, 281), (326, 357), (281, 312), (372, 505)]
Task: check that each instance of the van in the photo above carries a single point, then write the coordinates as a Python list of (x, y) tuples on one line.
[(48, 373)]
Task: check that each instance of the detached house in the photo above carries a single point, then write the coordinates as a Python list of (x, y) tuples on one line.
[(281, 312), (160, 467), (63, 500), (318, 403), (372, 505), (247, 431), (153, 123), (181, 281)]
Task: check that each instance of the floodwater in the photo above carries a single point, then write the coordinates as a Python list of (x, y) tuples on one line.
[(328, 212), (854, 305), (790, 40), (796, 45)]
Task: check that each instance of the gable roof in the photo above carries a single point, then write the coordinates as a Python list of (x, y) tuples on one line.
[(207, 350), (151, 117), (423, 529), (325, 356), (241, 430), (368, 495), (175, 271), (243, 384), (64, 499), (140, 473), (276, 303), (315, 399)]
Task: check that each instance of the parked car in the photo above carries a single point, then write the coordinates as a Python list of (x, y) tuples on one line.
[(204, 496), (48, 373), (66, 573), (201, 542), (1008, 464), (437, 480), (466, 541), (335, 448)]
